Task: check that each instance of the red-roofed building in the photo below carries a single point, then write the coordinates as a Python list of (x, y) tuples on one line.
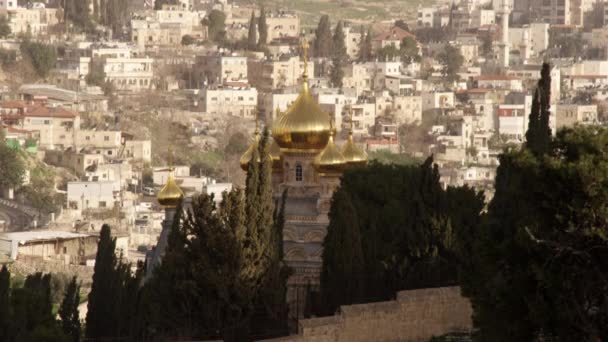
[(55, 125), (393, 36)]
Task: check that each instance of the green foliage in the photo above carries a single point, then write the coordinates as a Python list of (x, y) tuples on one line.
[(158, 4), (112, 307), (452, 60), (96, 75), (343, 262), (262, 28), (387, 157), (216, 26), (7, 57), (322, 44), (227, 262), (11, 167), (42, 57), (5, 29), (388, 53), (409, 228), (40, 193), (26, 310), (538, 136), (113, 14), (237, 144), (365, 46), (206, 163), (409, 50), (252, 33), (68, 311), (188, 40), (339, 57), (78, 13), (538, 261)]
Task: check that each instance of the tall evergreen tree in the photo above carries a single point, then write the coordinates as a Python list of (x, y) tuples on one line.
[(538, 136), (365, 46), (100, 320), (5, 287), (339, 57), (252, 34), (263, 28), (343, 265), (68, 311), (323, 39)]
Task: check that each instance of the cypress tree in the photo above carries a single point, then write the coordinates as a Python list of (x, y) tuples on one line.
[(68, 311), (323, 40), (263, 28), (5, 287), (365, 46), (252, 35), (538, 136), (341, 275), (100, 315), (339, 57)]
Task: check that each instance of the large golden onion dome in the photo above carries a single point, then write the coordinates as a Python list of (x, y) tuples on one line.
[(305, 126), (248, 155), (330, 160), (170, 195), (352, 153)]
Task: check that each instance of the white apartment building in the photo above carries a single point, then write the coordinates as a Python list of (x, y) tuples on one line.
[(364, 118), (57, 126), (217, 69), (130, 74), (234, 101), (535, 37), (93, 195), (285, 72)]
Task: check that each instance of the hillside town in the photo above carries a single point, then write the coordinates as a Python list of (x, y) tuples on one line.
[(121, 113)]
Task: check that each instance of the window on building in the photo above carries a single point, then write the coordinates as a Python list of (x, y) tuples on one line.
[(106, 138), (299, 173)]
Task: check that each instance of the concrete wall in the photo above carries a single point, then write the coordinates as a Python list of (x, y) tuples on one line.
[(415, 315)]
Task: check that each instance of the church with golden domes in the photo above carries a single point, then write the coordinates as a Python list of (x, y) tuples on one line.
[(308, 164)]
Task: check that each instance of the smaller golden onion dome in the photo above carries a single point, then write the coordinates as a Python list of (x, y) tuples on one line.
[(275, 155), (170, 195), (248, 155), (330, 160), (353, 155)]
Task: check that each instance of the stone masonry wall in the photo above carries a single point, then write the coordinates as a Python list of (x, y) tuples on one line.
[(415, 315)]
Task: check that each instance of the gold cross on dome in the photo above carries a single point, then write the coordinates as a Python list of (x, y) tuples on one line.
[(305, 48)]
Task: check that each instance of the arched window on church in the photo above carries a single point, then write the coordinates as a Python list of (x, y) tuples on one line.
[(299, 173)]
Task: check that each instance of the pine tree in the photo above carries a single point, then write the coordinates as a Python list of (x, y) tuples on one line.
[(339, 57), (5, 284), (323, 40), (263, 28), (100, 320), (68, 311), (538, 136), (365, 46), (252, 35), (341, 275)]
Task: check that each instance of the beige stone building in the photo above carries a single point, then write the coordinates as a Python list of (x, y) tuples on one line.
[(284, 72), (167, 26), (217, 69), (237, 101), (36, 21), (130, 74), (407, 109), (567, 115)]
